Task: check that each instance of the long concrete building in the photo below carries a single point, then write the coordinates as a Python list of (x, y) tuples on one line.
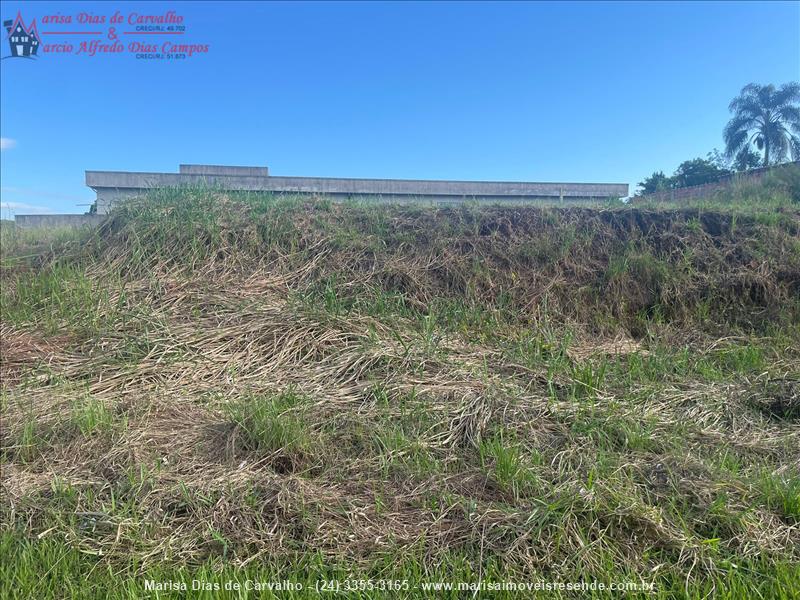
[(116, 186), (113, 187)]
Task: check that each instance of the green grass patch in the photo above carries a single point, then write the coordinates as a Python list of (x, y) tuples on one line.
[(273, 425)]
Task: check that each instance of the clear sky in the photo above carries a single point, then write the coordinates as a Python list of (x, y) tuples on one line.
[(596, 92)]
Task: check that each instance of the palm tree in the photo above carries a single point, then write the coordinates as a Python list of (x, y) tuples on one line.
[(768, 118)]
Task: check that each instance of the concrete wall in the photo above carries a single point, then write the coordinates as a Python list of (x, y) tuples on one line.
[(708, 190), (114, 186), (222, 170), (108, 197), (35, 221)]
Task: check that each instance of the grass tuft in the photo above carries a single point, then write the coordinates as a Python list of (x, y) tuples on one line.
[(273, 426)]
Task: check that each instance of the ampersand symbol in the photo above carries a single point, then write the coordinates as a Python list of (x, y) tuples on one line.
[(112, 33)]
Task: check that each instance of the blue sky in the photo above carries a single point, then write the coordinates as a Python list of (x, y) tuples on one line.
[(605, 92)]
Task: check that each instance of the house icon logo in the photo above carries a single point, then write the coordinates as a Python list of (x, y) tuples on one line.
[(24, 41)]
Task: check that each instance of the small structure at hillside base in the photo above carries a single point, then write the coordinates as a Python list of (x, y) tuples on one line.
[(115, 186)]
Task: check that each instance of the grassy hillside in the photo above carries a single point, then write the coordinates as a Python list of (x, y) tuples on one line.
[(223, 387)]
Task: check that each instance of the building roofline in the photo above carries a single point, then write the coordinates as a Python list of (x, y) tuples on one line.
[(371, 179)]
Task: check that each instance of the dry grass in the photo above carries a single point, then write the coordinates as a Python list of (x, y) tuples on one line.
[(571, 393)]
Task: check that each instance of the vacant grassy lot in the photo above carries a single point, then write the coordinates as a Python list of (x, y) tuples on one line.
[(222, 388)]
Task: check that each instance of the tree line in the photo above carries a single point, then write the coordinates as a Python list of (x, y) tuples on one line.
[(764, 130)]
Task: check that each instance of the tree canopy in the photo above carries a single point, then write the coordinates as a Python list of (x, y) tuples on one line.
[(690, 172), (765, 118)]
